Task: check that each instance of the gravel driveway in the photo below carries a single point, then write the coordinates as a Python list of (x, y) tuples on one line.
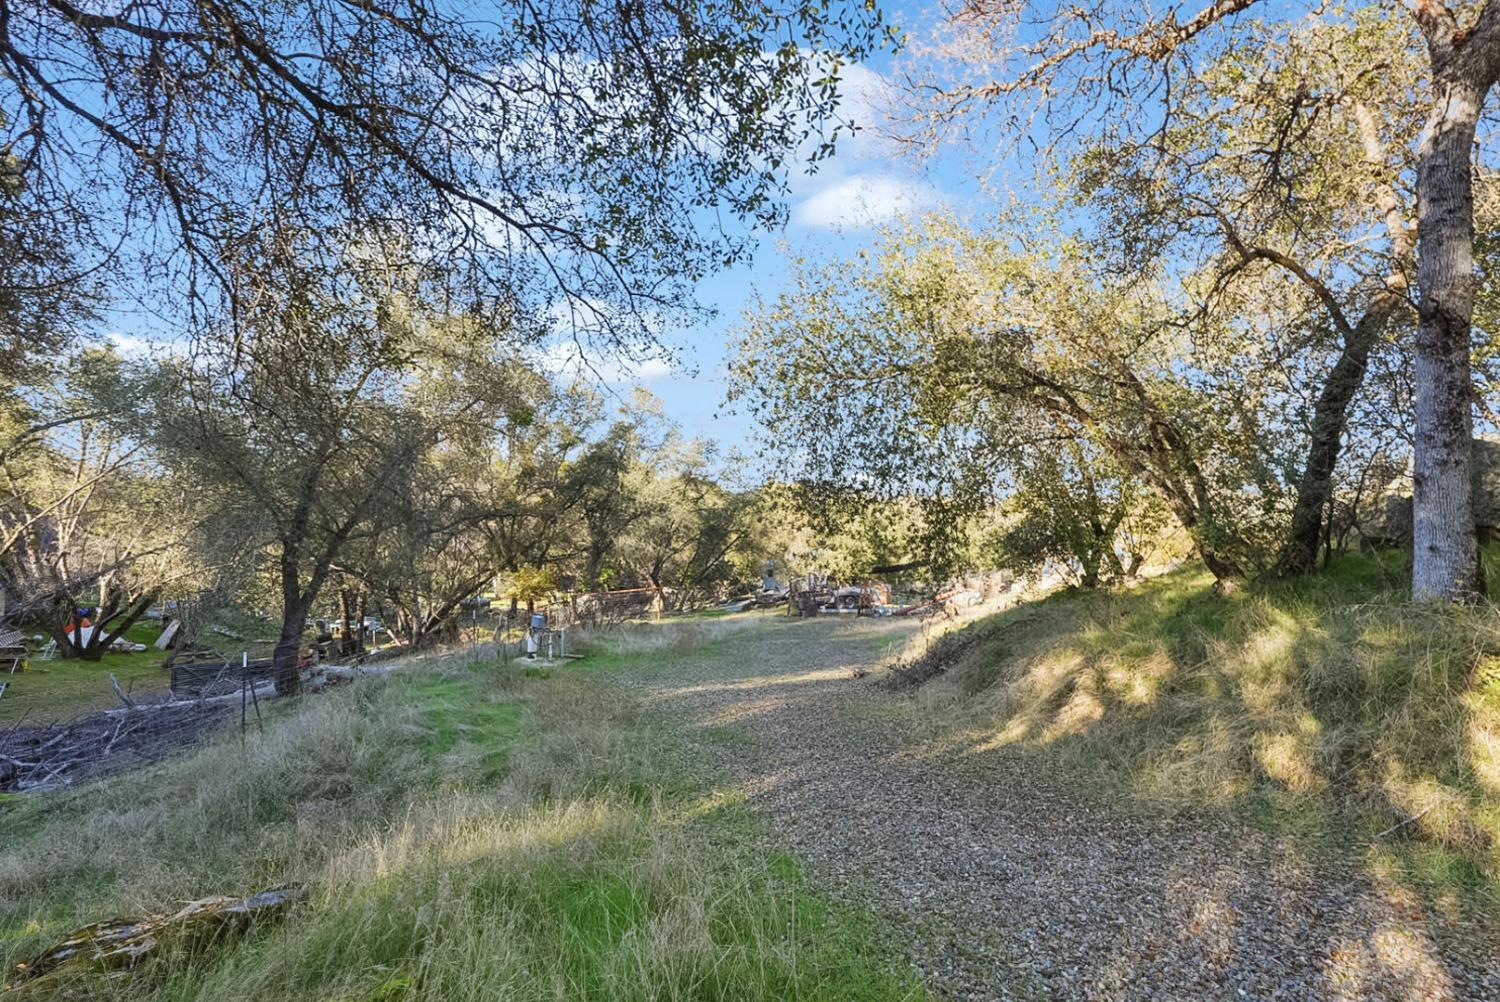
[(1001, 883)]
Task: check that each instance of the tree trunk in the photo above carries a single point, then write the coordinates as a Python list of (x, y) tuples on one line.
[(1162, 463), (289, 648), (58, 625), (359, 636), (93, 649), (123, 620), (294, 605), (1227, 572), (1116, 567), (1299, 554), (1445, 558), (345, 644)]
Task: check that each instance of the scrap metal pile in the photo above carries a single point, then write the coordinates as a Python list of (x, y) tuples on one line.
[(815, 595)]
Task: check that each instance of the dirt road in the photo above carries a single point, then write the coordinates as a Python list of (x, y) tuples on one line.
[(1003, 883)]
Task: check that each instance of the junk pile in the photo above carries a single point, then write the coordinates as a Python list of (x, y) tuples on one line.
[(816, 595), (12, 651), (194, 680), (82, 633)]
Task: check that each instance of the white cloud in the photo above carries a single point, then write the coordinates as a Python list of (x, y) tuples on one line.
[(861, 114), (864, 100), (569, 361), (864, 200), (653, 368), (132, 345)]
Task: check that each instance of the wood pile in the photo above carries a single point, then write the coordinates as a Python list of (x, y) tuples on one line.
[(107, 741), (214, 678)]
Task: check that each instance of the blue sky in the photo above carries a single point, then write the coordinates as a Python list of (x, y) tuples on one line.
[(867, 182)]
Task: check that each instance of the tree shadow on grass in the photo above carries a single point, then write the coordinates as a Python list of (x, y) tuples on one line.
[(1328, 709), (1256, 704)]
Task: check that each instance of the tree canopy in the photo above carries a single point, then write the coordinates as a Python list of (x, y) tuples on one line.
[(539, 162)]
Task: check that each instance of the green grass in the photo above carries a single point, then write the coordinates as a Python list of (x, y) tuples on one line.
[(647, 648), (464, 834), (59, 690), (1327, 708), (486, 726), (654, 649), (699, 614)]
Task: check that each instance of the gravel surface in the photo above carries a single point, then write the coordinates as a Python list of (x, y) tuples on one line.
[(1003, 883)]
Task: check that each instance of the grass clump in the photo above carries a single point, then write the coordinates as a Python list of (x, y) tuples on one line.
[(629, 644), (1292, 703), (580, 901), (231, 815), (470, 834)]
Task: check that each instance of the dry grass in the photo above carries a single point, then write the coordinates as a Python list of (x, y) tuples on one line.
[(465, 834), (667, 636), (1331, 695)]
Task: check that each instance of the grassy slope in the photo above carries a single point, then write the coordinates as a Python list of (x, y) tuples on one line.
[(1323, 706), (466, 834)]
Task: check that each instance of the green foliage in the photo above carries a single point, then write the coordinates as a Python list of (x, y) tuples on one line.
[(821, 529), (685, 525), (530, 584), (1078, 514), (44, 298), (586, 208), (932, 367), (87, 518)]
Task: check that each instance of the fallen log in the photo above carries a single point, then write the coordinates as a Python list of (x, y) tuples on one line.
[(122, 944)]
